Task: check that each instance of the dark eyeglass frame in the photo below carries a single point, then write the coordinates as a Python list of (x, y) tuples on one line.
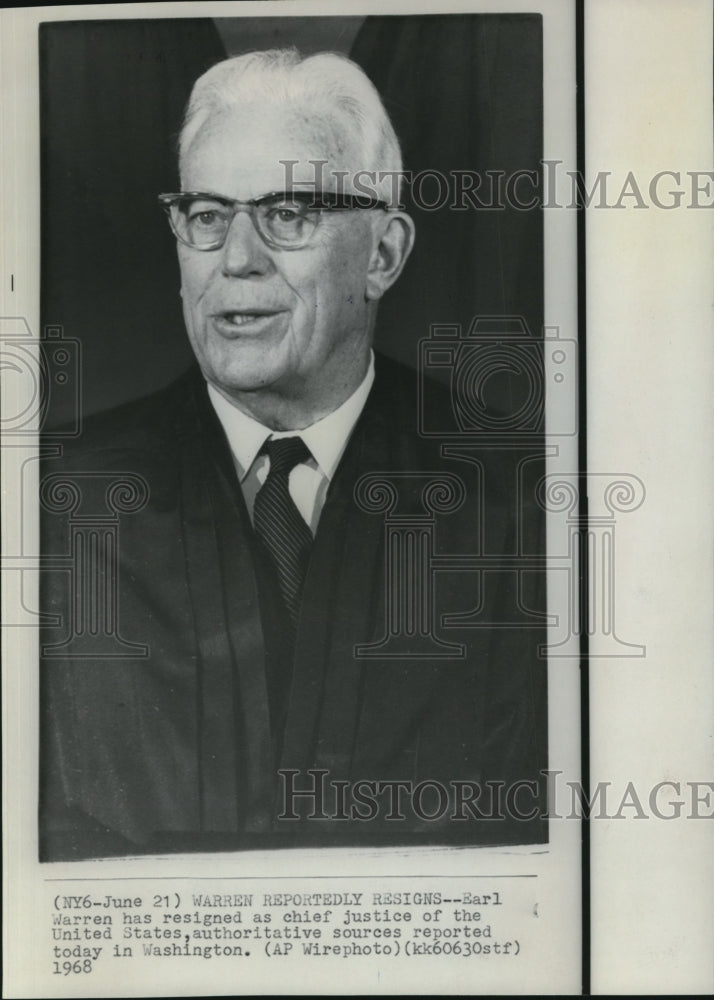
[(317, 201)]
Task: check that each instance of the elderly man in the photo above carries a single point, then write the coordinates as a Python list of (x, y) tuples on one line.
[(266, 700)]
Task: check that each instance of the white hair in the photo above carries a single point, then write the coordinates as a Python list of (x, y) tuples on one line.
[(327, 91)]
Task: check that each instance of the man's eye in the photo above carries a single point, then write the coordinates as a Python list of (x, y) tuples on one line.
[(286, 214), (202, 208), (204, 216)]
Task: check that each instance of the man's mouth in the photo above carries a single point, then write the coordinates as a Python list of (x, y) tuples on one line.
[(229, 322), (239, 318)]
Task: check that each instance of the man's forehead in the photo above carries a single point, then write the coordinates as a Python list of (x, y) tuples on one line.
[(266, 148)]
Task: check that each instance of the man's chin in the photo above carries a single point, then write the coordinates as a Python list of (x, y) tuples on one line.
[(241, 379), (244, 384), (245, 368)]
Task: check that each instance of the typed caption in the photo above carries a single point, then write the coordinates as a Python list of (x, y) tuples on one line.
[(141, 922)]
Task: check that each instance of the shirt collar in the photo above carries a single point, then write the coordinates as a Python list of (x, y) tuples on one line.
[(326, 439)]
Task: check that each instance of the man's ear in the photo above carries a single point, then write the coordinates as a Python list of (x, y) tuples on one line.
[(394, 244)]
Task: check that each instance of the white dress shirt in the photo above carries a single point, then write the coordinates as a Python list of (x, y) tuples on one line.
[(326, 440)]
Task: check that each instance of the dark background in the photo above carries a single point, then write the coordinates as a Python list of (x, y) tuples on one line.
[(464, 93)]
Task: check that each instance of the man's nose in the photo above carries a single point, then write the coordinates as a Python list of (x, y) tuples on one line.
[(244, 252)]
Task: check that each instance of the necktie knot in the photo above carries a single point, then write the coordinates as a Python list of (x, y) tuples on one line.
[(285, 454)]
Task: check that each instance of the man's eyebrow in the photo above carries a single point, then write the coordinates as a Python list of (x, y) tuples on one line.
[(290, 193), (205, 194)]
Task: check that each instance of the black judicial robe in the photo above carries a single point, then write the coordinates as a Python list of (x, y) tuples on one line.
[(168, 746)]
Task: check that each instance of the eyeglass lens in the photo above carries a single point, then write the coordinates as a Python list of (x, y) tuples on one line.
[(204, 222)]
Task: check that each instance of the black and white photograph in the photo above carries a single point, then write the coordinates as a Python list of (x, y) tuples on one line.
[(348, 649), (334, 651)]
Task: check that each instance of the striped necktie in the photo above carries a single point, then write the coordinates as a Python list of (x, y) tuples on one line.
[(279, 524)]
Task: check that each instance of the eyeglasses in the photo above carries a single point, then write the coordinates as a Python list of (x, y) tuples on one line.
[(284, 220)]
